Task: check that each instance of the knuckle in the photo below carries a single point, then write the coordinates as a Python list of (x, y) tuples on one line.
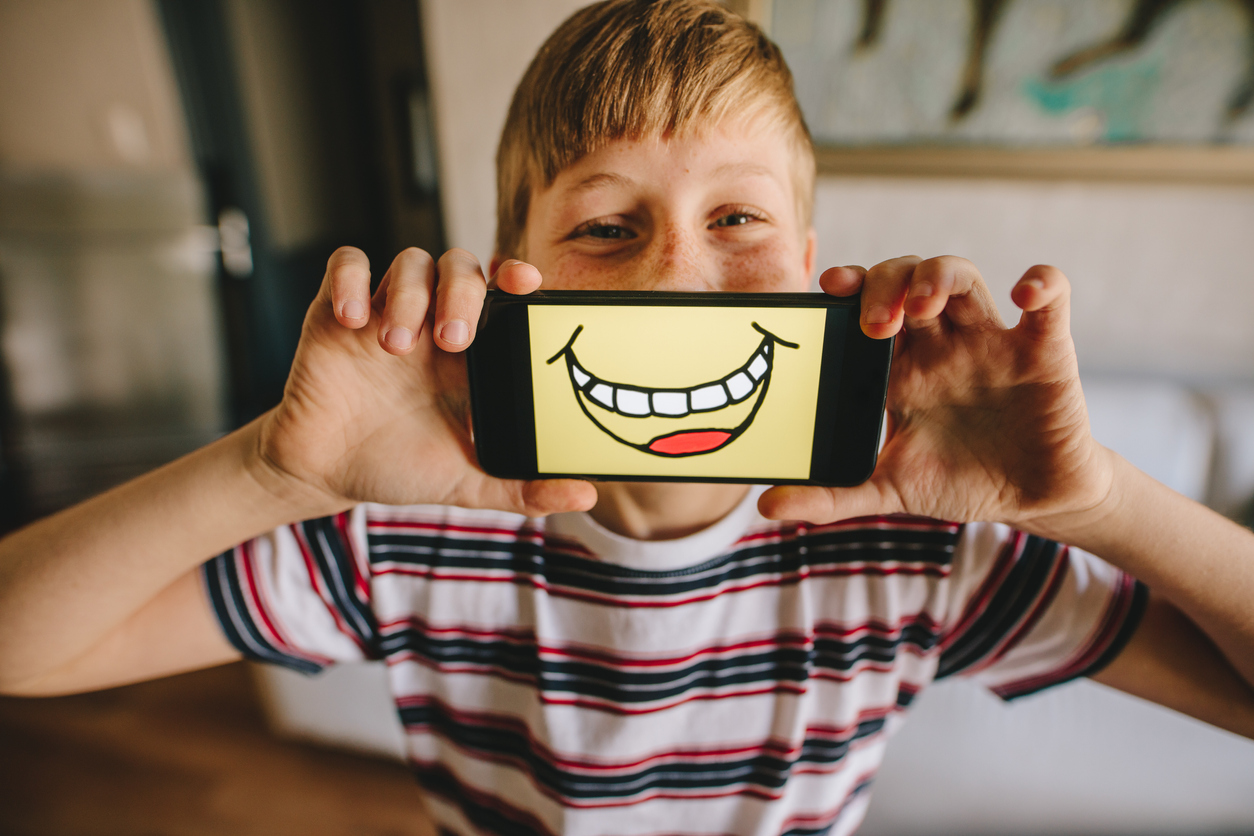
[(947, 264), (895, 269), (954, 271), (461, 292), (346, 265), (461, 280), (407, 294), (345, 253), (458, 258), (412, 258), (878, 274)]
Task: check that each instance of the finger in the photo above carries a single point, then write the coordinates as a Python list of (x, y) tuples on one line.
[(348, 283), (883, 292), (842, 281), (404, 296), (517, 277), (824, 505), (554, 496), (933, 283), (459, 294), (952, 286), (1044, 294), (536, 498)]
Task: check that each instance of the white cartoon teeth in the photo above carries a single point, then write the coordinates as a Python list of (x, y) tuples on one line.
[(670, 403), (740, 386), (602, 393), (640, 402), (632, 401), (708, 397)]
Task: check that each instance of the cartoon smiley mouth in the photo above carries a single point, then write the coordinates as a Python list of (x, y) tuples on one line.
[(599, 396)]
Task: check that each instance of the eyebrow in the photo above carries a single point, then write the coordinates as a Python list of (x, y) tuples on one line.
[(607, 179), (742, 169), (599, 181)]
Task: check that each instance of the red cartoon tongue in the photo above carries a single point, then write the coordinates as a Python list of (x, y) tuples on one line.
[(689, 441)]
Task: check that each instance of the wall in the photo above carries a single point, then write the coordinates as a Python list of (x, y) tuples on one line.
[(86, 86), (1163, 289), (110, 342), (476, 52), (1163, 275)]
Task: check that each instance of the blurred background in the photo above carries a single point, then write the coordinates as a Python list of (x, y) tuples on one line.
[(174, 174)]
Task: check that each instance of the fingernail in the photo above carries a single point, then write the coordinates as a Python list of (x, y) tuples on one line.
[(455, 332), (921, 291), (353, 310), (400, 338), (879, 313), (1036, 283)]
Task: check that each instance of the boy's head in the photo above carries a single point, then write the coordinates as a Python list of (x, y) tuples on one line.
[(644, 71)]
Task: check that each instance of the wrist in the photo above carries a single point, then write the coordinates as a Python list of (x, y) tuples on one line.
[(294, 495), (1096, 497)]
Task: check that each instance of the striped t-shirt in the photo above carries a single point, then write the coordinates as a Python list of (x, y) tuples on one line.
[(556, 678)]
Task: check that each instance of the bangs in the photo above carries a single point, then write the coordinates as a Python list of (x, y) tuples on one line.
[(627, 69)]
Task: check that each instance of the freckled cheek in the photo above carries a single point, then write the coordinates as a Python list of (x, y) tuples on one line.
[(769, 268), (577, 273)]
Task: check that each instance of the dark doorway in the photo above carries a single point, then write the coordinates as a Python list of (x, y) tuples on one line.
[(310, 123)]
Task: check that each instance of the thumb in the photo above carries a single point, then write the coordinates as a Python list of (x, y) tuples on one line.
[(824, 505), (536, 498)]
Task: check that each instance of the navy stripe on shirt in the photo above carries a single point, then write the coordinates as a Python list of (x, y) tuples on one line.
[(325, 539), (505, 739), (787, 658), (446, 551), (231, 605), (1012, 601)]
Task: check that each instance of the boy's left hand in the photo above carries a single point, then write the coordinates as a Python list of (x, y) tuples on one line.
[(985, 422)]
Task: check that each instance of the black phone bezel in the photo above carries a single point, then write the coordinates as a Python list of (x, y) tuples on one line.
[(853, 384)]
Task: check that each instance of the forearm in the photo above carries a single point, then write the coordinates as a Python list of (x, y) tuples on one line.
[(1195, 558), (68, 580)]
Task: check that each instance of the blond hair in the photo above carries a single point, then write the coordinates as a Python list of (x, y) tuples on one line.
[(635, 69)]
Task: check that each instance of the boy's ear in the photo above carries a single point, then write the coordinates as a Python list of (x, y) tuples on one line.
[(812, 243)]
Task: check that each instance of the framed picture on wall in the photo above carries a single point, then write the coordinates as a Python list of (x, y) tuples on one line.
[(1068, 89)]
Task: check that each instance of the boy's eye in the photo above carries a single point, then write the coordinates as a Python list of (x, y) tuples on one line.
[(736, 219), (604, 231)]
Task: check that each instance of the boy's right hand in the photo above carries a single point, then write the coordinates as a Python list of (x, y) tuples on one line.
[(376, 408)]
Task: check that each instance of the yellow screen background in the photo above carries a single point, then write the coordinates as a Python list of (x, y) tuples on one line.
[(675, 347)]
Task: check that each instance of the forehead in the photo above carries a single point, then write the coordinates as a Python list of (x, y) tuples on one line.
[(743, 154)]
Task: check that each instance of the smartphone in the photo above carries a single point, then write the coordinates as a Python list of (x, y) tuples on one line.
[(780, 388)]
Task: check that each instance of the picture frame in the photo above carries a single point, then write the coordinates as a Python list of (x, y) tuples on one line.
[(1087, 90)]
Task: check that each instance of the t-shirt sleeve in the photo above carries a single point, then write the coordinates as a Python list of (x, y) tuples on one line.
[(1026, 613), (298, 596)]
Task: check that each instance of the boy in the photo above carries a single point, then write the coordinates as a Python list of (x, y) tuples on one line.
[(672, 660)]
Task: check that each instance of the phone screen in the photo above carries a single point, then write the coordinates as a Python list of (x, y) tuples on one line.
[(678, 391)]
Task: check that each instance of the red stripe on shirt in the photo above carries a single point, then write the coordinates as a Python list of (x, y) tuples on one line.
[(628, 601)]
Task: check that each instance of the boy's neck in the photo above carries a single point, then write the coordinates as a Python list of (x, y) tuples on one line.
[(663, 510)]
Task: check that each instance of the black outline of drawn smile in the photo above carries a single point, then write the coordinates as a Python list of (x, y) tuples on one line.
[(667, 407)]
